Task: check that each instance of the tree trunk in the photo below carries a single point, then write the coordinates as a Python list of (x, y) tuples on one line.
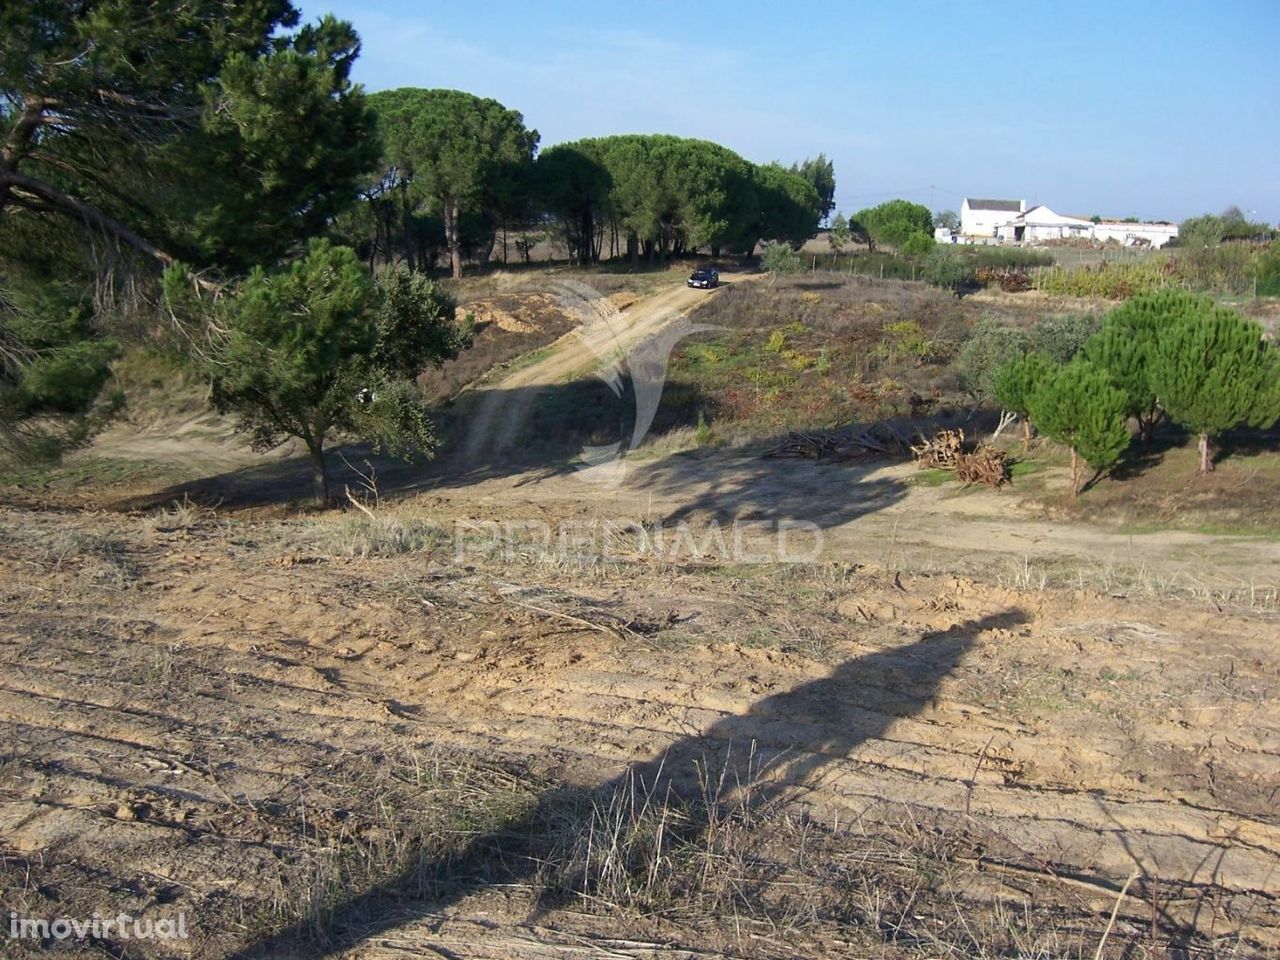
[(451, 236), (319, 471), (1026, 435), (1206, 463), (1147, 424), (1075, 473)]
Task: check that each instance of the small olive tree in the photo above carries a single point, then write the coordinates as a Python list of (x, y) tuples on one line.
[(319, 348), (1078, 407)]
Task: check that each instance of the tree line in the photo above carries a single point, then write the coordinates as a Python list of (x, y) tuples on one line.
[(457, 170), (205, 178)]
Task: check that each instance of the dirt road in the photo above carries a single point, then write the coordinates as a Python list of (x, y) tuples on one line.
[(606, 333)]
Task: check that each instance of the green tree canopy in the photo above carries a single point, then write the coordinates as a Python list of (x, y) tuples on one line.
[(894, 222), (200, 129), (455, 150), (1212, 370), (671, 195), (1077, 406), (320, 348), (821, 175), (1123, 348), (1016, 382)]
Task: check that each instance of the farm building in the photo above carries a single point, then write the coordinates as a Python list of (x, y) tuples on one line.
[(981, 218), (1040, 224), (1129, 233), (1011, 221)]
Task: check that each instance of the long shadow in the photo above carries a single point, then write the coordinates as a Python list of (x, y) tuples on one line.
[(562, 421), (793, 736)]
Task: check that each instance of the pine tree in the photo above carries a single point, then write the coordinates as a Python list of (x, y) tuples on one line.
[(1124, 344), (1078, 407), (1213, 371), (1014, 384)]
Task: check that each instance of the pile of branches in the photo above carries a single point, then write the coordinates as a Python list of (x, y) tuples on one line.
[(881, 439), (988, 465), (941, 451), (1008, 279), (948, 450)]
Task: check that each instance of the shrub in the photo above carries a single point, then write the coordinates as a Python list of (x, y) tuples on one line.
[(1212, 370), (1268, 272), (779, 258), (947, 269), (1062, 336), (1112, 281), (992, 346), (1123, 348), (1078, 407), (919, 244)]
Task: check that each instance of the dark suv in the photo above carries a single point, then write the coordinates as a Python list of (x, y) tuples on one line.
[(704, 277)]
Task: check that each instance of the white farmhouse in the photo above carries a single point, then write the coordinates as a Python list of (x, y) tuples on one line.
[(1040, 224), (1131, 234), (981, 218)]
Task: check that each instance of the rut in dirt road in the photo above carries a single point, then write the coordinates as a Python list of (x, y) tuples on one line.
[(774, 749)]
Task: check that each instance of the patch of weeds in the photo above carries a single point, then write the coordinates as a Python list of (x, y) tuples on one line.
[(1025, 468), (100, 558), (932, 477), (362, 536)]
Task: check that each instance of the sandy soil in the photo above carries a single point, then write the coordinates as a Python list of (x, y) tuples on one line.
[(206, 710), (168, 731)]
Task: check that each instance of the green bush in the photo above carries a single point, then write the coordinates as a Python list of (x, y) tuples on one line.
[(1015, 383), (992, 346), (779, 258), (1061, 336), (919, 244), (948, 269), (1268, 272)]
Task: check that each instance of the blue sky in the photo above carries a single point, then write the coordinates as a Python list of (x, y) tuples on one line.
[(1122, 109)]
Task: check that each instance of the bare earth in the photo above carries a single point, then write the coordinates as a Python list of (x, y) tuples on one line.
[(198, 707)]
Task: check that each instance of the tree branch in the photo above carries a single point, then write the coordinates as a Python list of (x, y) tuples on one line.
[(10, 179)]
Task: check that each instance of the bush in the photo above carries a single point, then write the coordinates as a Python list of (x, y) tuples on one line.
[(1112, 281), (779, 258), (945, 268), (919, 244), (992, 346), (1268, 272), (1015, 384), (1062, 336)]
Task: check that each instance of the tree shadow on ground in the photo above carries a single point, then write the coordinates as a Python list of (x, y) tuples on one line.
[(545, 431), (792, 737)]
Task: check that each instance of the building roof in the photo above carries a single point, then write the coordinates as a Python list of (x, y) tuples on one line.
[(1005, 206)]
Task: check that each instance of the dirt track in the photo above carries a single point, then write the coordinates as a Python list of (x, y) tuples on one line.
[(604, 333), (194, 711)]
